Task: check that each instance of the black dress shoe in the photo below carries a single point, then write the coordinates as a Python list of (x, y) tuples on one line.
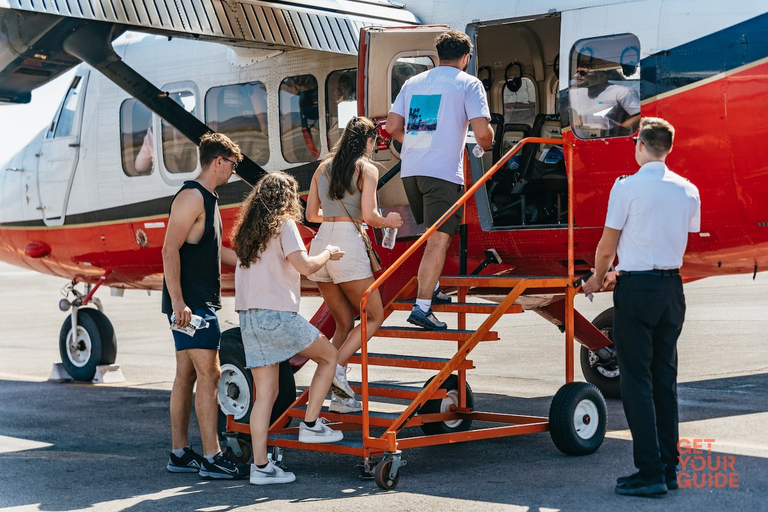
[(670, 475), (634, 485)]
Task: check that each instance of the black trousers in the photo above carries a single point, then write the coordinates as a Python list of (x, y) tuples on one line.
[(648, 317)]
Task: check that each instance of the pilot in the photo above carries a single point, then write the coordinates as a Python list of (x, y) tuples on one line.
[(650, 214), (603, 109)]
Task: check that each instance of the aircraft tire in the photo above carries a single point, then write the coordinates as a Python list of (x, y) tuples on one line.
[(235, 393), (438, 405), (577, 418), (605, 378), (94, 344)]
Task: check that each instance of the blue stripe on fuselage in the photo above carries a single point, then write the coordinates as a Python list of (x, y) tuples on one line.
[(705, 57)]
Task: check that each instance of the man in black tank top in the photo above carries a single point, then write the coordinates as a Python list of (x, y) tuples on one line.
[(192, 258)]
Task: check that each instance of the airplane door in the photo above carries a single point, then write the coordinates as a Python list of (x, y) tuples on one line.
[(387, 58), (60, 152)]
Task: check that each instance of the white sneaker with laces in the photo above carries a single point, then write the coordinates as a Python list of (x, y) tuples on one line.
[(270, 475), (320, 433), (340, 385), (344, 405)]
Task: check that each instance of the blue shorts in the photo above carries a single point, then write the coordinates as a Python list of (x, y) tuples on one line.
[(271, 336), (208, 338)]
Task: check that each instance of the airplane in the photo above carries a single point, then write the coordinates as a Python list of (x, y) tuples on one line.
[(88, 198)]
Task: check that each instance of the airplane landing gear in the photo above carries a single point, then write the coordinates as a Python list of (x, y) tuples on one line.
[(87, 338), (601, 368)]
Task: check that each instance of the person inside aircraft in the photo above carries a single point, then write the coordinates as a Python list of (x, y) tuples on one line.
[(342, 196), (603, 108), (145, 159), (271, 258)]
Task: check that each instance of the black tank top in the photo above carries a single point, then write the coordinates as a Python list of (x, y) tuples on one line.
[(200, 262)]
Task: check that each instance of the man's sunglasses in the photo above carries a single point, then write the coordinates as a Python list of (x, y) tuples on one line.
[(234, 164), (635, 139)]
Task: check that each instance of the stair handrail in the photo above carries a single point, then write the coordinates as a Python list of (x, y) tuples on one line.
[(423, 238)]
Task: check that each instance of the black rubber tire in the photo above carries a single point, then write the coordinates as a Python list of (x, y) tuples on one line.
[(89, 334), (571, 418), (609, 386), (451, 384), (232, 358), (381, 475), (109, 340)]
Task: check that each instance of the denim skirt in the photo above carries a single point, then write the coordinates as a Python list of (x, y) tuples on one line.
[(271, 336)]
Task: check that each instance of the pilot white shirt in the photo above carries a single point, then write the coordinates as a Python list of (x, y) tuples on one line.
[(654, 209)]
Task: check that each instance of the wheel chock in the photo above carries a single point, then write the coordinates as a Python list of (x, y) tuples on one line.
[(59, 374), (108, 374)]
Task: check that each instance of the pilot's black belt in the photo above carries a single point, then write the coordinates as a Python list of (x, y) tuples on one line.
[(655, 272)]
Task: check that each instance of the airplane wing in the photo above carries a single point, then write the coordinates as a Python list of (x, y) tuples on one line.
[(32, 31)]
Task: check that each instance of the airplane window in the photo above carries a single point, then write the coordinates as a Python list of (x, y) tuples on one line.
[(179, 153), (340, 102), (240, 112), (405, 68), (137, 143), (604, 92), (299, 119), (65, 123), (520, 105)]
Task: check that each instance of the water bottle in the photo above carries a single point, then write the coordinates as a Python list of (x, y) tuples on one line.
[(388, 240), (196, 322)]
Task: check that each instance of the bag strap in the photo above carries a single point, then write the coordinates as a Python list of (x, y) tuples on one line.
[(359, 228)]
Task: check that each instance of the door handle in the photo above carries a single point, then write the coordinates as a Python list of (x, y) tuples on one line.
[(75, 145)]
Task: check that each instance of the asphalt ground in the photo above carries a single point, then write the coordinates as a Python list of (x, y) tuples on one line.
[(68, 446)]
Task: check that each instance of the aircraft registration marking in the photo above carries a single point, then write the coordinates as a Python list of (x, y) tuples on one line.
[(150, 225)]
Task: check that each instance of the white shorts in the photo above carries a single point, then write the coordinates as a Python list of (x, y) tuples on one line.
[(355, 263)]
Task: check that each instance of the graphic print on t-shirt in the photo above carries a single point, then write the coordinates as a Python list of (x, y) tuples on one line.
[(422, 120)]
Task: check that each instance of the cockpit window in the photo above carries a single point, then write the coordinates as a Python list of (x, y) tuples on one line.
[(65, 122), (405, 68), (604, 89)]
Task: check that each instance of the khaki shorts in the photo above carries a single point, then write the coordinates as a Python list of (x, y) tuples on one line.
[(430, 198), (355, 263)]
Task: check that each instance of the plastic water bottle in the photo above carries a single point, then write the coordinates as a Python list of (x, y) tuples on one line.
[(478, 151), (199, 322), (388, 240), (195, 323)]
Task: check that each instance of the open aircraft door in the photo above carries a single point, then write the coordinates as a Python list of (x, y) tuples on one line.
[(60, 153), (388, 57)]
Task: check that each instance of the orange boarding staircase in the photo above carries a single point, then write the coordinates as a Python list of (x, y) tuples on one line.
[(444, 407)]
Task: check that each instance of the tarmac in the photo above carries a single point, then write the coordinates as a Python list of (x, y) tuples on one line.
[(72, 446)]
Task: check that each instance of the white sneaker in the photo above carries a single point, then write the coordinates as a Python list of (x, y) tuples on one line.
[(320, 433), (344, 405), (270, 475), (340, 386)]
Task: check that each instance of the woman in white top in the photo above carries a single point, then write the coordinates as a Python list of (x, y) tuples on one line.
[(271, 258), (347, 177)]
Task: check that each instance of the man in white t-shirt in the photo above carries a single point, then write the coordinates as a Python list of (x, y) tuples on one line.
[(602, 109), (650, 214), (430, 117)]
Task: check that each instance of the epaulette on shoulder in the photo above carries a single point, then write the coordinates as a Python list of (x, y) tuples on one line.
[(622, 177)]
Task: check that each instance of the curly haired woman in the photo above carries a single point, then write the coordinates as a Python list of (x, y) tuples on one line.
[(347, 177), (271, 258)]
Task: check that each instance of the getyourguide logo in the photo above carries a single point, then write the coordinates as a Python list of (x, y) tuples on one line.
[(699, 467)]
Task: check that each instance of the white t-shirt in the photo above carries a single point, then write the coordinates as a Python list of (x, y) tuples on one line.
[(272, 282), (437, 106), (655, 209), (607, 109)]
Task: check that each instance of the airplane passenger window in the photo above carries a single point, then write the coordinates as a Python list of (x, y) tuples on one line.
[(520, 105), (240, 112), (179, 153), (299, 119), (137, 144), (63, 126), (604, 92), (405, 68), (340, 102)]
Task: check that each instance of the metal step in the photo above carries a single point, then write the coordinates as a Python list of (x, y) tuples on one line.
[(459, 307), (377, 418), (376, 389), (424, 363), (445, 334), (497, 281)]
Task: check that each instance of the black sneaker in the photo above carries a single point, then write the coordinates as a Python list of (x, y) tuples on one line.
[(440, 297), (426, 320), (190, 462), (223, 468), (635, 485), (670, 476)]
